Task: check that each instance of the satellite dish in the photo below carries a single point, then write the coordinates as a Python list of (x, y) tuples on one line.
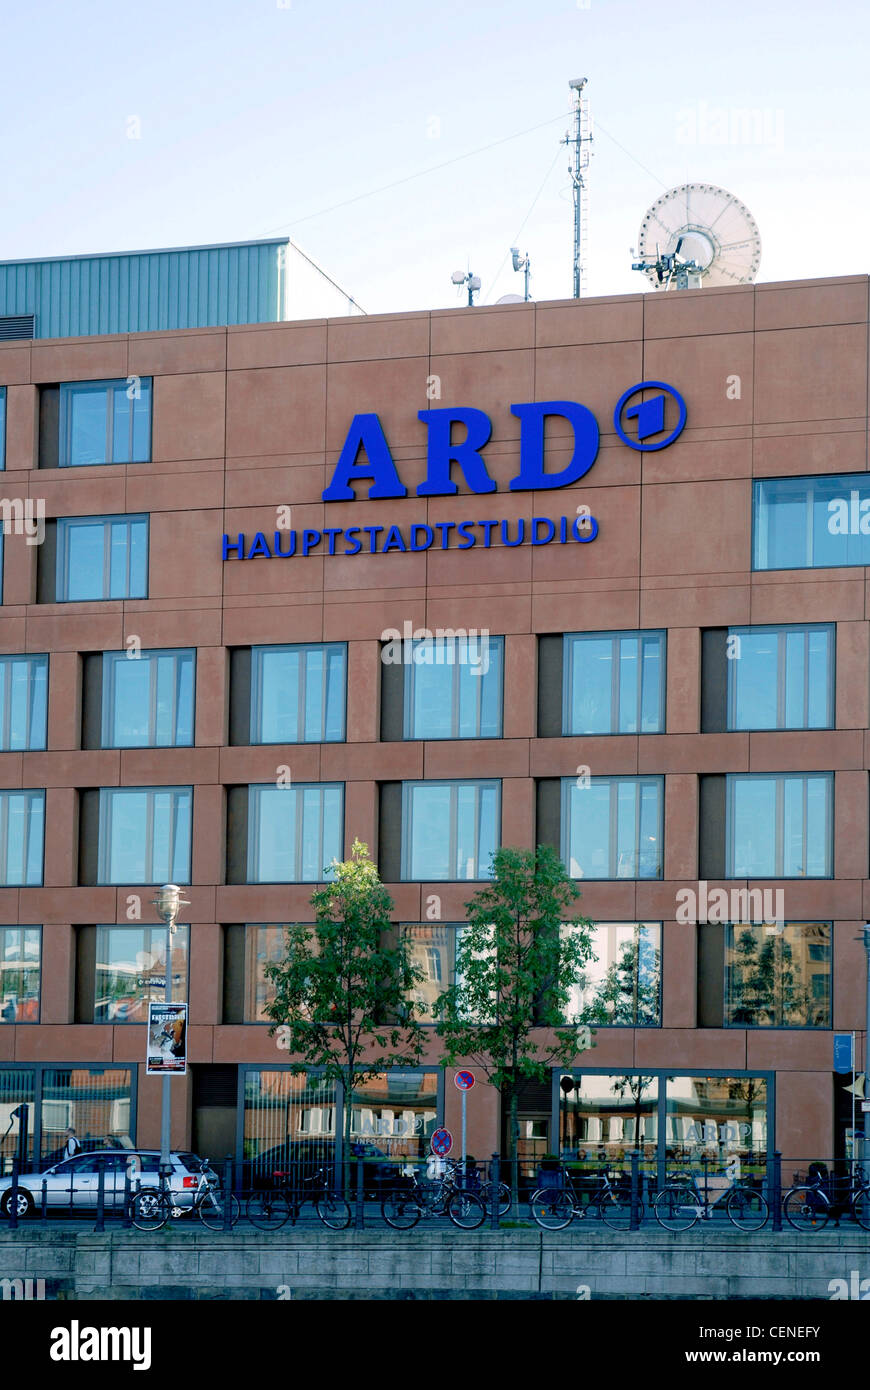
[(698, 234), (511, 299)]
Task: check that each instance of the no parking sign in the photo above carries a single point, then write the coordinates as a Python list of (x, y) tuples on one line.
[(464, 1080), (441, 1142)]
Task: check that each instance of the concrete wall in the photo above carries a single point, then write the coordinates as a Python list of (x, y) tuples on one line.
[(522, 1264)]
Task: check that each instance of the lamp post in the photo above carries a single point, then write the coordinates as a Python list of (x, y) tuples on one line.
[(168, 903), (866, 1112)]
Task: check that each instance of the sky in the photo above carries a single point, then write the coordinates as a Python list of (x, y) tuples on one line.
[(397, 141)]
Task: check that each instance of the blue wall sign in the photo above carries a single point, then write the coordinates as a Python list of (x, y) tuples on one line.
[(365, 458), (842, 1052)]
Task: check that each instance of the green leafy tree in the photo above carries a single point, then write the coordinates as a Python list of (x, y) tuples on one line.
[(766, 983), (517, 962), (343, 994)]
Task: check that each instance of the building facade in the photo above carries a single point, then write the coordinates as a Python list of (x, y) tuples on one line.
[(230, 556)]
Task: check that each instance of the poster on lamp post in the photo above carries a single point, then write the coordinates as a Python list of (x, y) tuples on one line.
[(167, 1040)]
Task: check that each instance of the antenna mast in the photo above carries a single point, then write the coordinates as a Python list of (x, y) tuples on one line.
[(579, 144)]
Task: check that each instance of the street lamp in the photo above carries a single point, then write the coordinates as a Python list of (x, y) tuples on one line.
[(866, 1049), (168, 903)]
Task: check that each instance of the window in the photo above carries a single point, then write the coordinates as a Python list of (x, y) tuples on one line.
[(450, 830), (102, 557), (779, 826), (781, 677), (620, 985), (613, 683), (432, 947), (22, 821), (96, 1101), (294, 832), (807, 523), (603, 1118), (131, 971), (148, 699), (778, 976), (2, 426), (453, 688), (298, 693), (265, 944), (19, 974), (144, 835), (612, 826), (105, 422), (23, 702)]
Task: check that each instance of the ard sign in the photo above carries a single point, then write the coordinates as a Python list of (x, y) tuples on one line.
[(456, 438)]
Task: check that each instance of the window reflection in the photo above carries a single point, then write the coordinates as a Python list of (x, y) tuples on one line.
[(621, 983), (778, 976), (148, 699), (450, 830), (604, 1118), (19, 974), (781, 677), (131, 971), (295, 832), (779, 826), (298, 693)]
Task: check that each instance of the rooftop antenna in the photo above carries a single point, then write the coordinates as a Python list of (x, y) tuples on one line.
[(696, 235), (524, 264), (459, 277), (579, 144)]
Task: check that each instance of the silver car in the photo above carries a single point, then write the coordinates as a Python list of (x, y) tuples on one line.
[(74, 1182)]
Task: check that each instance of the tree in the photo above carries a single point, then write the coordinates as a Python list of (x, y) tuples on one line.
[(343, 995), (516, 963), (766, 980)]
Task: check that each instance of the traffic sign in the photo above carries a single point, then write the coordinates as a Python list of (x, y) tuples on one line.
[(463, 1080), (441, 1142)]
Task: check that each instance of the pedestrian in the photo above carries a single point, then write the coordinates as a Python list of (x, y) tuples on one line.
[(72, 1145)]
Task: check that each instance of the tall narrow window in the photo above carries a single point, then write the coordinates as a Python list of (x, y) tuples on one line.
[(102, 557), (148, 699), (294, 832), (23, 702), (145, 834), (2, 426), (781, 677), (20, 949), (614, 683), (298, 693), (22, 830), (453, 688), (105, 422)]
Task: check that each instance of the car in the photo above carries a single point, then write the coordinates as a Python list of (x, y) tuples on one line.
[(74, 1182)]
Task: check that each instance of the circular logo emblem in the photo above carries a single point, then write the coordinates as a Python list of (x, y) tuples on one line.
[(650, 416)]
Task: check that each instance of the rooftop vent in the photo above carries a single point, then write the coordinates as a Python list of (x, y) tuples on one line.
[(17, 326)]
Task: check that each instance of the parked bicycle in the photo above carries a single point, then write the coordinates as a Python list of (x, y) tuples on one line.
[(809, 1206), (151, 1207), (556, 1207), (411, 1201), (683, 1202), (269, 1210)]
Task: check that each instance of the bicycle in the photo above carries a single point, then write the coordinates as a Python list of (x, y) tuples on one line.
[(405, 1206), (809, 1206), (681, 1204), (270, 1210), (151, 1207), (554, 1208), (472, 1181)]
